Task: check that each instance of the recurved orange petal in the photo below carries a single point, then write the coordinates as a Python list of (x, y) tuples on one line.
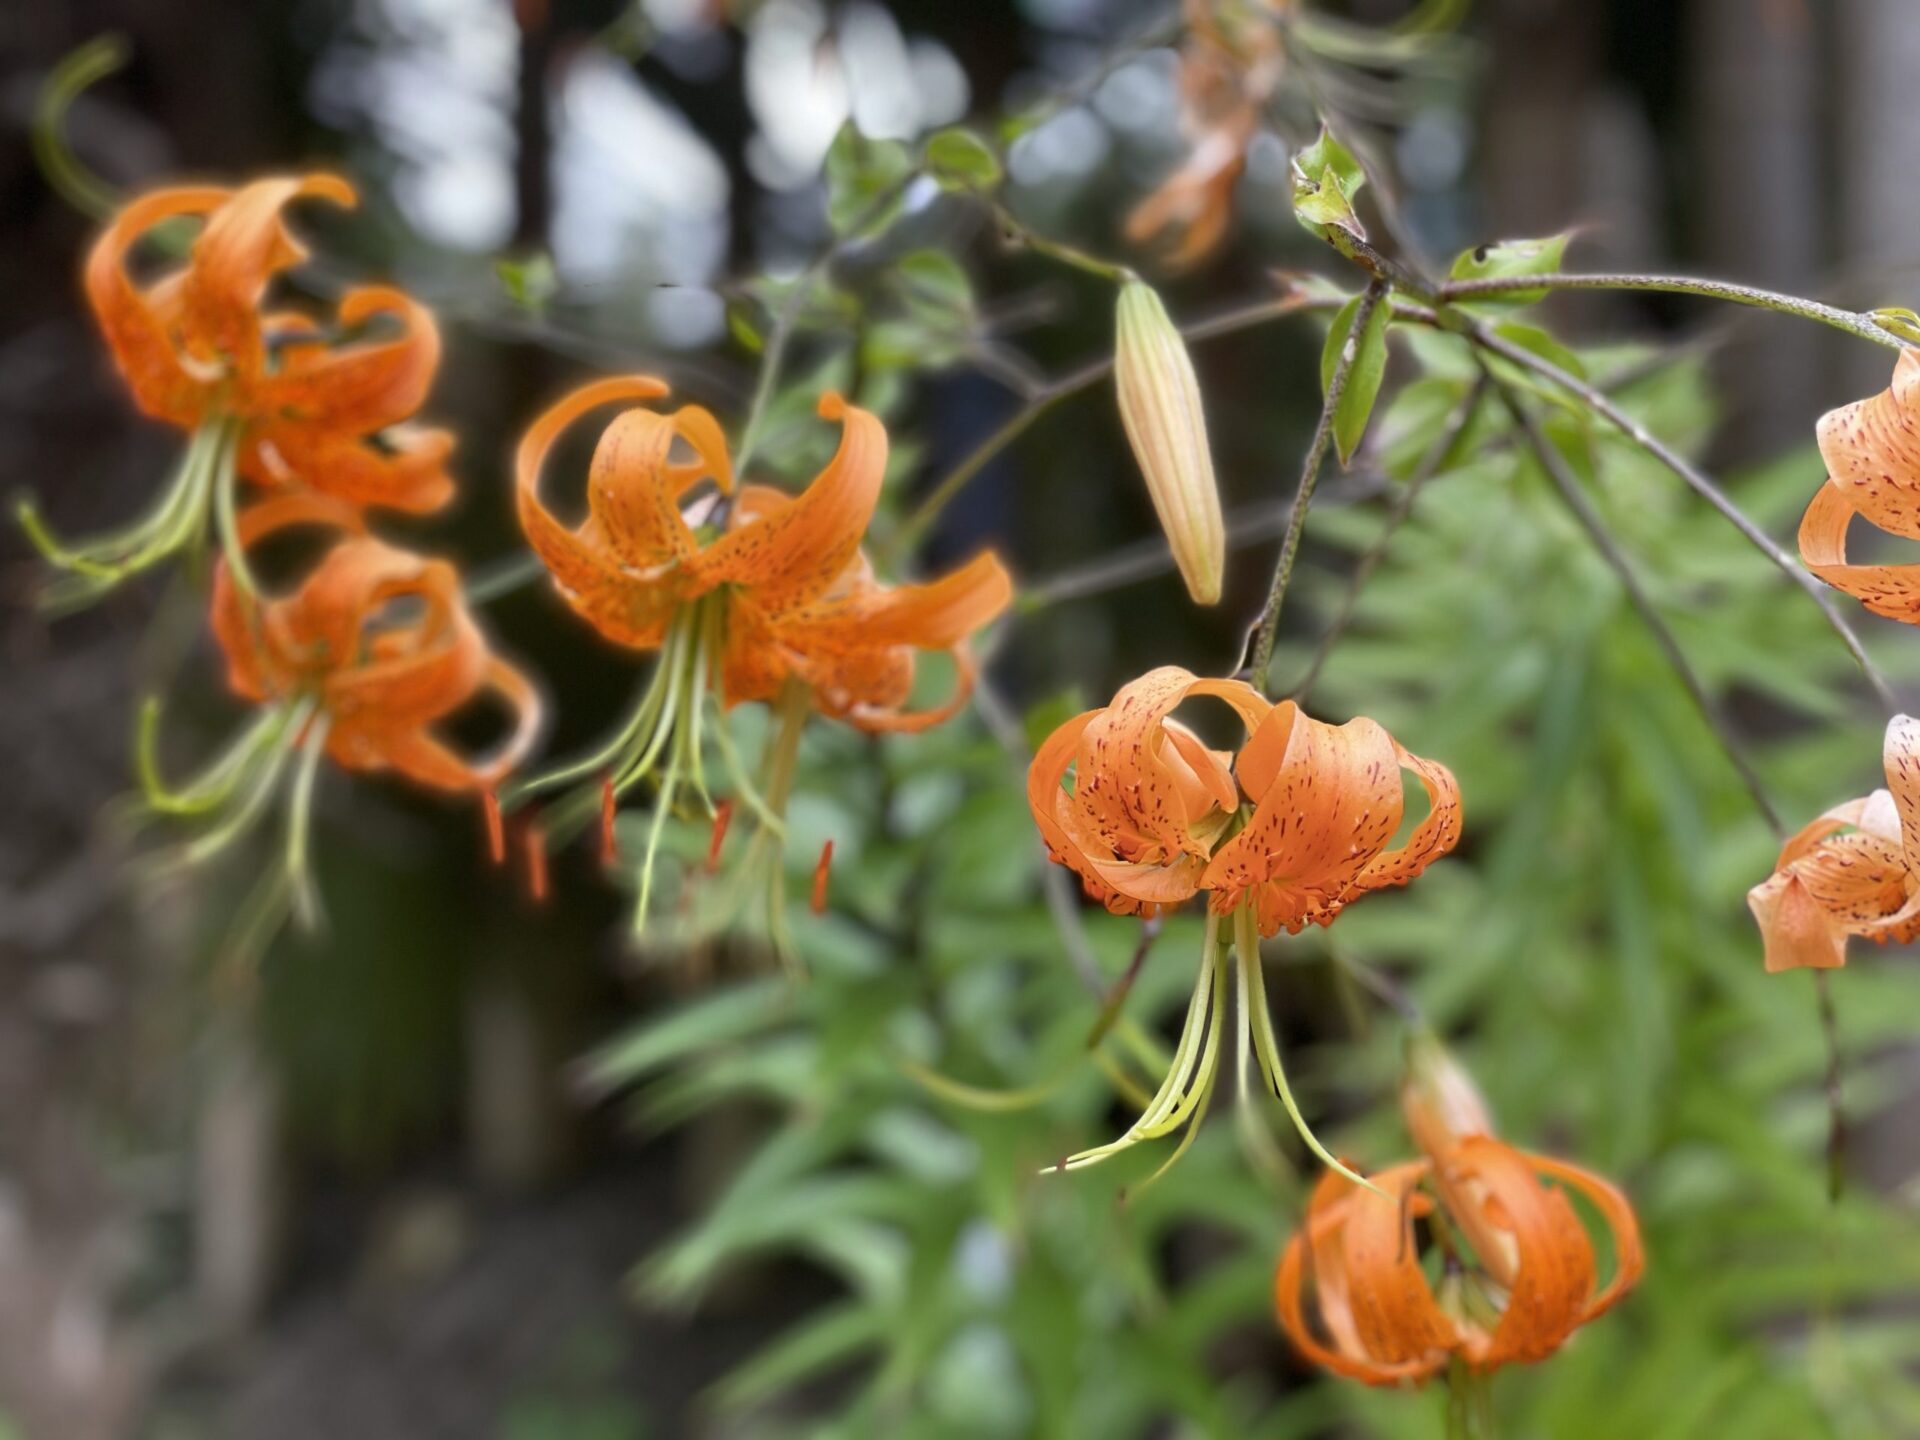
[(1047, 800), (634, 487), (137, 326), (791, 555), (244, 244), (356, 388), (934, 616), (404, 468), (1381, 1321), (427, 760), (1872, 450), (585, 569), (1889, 590), (1850, 872), (1326, 801), (1433, 837), (1529, 1237)]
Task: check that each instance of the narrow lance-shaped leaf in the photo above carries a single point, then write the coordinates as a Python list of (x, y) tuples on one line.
[(1365, 371)]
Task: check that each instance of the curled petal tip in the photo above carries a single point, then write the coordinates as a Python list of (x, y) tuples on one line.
[(325, 185)]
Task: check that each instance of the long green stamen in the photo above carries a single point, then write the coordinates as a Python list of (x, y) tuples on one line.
[(306, 901), (206, 479), (1253, 993), (1190, 1078), (215, 785)]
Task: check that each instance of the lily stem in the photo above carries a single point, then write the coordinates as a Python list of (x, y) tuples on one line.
[(1852, 322), (1267, 627)]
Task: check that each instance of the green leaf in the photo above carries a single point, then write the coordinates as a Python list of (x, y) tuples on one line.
[(1506, 258), (1368, 368), (1326, 177), (712, 1020), (961, 160), (740, 324), (935, 281), (530, 282), (1533, 338), (831, 1336), (865, 179)]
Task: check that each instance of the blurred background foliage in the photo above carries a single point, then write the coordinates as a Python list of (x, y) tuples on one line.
[(473, 1167)]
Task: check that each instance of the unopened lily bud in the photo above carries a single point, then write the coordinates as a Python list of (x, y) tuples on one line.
[(1160, 408), (1441, 1103)]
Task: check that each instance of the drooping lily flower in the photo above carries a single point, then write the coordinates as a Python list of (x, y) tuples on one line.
[(1228, 73), (1518, 1271), (747, 593), (1285, 833), (274, 397), (359, 663), (1872, 452), (1853, 871)]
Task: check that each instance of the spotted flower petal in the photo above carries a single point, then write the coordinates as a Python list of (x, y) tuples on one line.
[(793, 553), (1148, 800), (1872, 453), (1381, 1323), (1854, 871), (1327, 799), (139, 326)]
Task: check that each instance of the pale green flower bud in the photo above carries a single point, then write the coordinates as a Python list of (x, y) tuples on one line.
[(1160, 407)]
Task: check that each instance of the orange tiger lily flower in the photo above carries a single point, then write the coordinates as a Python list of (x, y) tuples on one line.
[(1146, 823), (1353, 1295), (1853, 871), (358, 663), (1285, 833), (800, 600), (377, 685), (749, 593), (271, 396), (1872, 452)]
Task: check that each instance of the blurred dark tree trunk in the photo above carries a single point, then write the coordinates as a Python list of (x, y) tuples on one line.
[(1756, 170), (1877, 56)]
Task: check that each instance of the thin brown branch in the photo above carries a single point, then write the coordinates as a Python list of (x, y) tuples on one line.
[(1560, 474), (914, 527), (1697, 481), (1268, 625)]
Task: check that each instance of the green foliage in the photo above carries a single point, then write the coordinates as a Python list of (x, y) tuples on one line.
[(1507, 258), (1364, 373), (1326, 177), (865, 180), (961, 160), (1587, 947)]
